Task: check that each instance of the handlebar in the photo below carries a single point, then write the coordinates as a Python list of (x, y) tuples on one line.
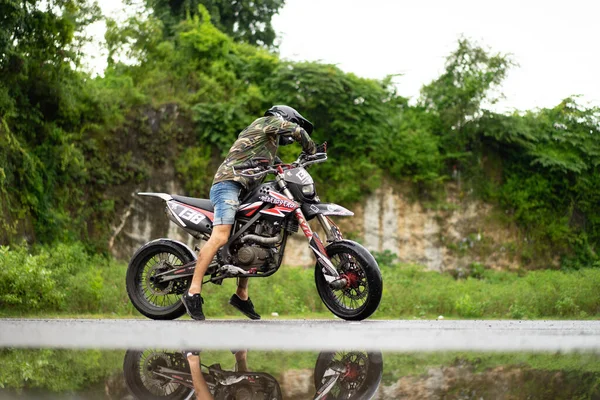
[(251, 169)]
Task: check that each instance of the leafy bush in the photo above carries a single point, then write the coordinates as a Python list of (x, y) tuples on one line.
[(61, 278), (57, 370), (467, 308)]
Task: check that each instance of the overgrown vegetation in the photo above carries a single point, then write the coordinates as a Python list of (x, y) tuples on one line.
[(65, 280), (55, 371), (62, 278), (184, 80)]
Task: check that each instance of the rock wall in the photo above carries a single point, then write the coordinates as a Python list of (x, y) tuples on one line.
[(144, 219), (460, 382), (453, 235)]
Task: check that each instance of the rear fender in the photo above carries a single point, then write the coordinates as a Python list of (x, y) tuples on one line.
[(184, 247)]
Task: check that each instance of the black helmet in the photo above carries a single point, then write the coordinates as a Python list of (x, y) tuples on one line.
[(291, 115)]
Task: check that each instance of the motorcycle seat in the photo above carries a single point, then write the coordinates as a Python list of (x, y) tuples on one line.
[(203, 204)]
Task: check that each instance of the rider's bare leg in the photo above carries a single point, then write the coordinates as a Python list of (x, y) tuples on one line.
[(242, 288), (241, 360), (200, 386), (219, 236)]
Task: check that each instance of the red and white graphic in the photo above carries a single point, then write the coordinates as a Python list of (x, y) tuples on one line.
[(250, 209), (283, 205), (304, 225)]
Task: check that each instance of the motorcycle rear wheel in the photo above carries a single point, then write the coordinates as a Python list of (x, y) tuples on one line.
[(160, 301), (138, 370), (361, 297)]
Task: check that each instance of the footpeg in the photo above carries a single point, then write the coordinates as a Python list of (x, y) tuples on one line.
[(232, 270)]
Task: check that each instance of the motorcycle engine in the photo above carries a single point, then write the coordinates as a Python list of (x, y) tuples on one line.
[(252, 256), (256, 255)]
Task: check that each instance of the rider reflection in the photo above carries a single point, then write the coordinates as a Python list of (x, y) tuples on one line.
[(156, 374), (200, 385)]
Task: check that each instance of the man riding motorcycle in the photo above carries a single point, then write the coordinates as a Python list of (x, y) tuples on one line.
[(280, 125)]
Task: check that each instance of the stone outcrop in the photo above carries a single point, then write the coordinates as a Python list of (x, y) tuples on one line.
[(451, 236), (502, 382)]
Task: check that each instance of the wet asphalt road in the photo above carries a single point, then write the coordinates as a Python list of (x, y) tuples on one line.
[(304, 334)]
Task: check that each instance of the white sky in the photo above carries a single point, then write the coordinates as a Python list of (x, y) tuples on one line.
[(555, 43)]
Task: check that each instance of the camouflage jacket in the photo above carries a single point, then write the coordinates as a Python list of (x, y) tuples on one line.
[(260, 139)]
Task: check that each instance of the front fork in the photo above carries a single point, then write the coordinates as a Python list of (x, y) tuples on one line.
[(314, 242)]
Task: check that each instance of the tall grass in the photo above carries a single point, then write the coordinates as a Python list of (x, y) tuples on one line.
[(66, 279), (410, 291)]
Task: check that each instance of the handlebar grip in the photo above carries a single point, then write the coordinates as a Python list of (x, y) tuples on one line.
[(246, 165), (253, 163)]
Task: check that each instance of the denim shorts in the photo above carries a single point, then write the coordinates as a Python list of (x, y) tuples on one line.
[(225, 197)]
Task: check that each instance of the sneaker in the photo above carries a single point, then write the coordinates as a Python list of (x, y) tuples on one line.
[(246, 307), (193, 305)]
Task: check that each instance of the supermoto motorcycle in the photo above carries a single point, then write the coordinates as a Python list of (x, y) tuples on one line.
[(160, 374), (347, 276)]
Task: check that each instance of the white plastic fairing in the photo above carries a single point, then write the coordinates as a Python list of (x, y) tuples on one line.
[(174, 214), (164, 196)]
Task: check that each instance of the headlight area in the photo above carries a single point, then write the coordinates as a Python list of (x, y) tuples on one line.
[(308, 190)]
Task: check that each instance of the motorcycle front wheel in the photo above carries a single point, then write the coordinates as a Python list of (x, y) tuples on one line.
[(362, 294), (157, 300), (360, 377)]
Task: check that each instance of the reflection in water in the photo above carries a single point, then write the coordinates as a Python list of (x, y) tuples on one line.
[(162, 374), (159, 374)]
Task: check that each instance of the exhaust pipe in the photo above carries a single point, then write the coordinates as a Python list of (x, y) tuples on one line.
[(261, 239)]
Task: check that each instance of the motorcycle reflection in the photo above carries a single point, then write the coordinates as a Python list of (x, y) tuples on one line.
[(160, 374)]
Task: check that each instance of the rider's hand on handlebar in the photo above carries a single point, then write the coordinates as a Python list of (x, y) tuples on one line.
[(322, 148)]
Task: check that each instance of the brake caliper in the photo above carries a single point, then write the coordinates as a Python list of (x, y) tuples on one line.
[(352, 279)]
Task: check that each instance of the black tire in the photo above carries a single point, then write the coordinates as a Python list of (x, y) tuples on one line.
[(360, 386), (350, 257), (137, 370), (142, 292)]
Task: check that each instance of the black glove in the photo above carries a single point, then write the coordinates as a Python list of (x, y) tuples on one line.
[(322, 148)]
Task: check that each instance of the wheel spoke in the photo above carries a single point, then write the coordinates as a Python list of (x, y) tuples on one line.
[(354, 297), (159, 294)]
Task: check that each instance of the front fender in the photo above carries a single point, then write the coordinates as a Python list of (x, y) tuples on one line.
[(312, 210), (357, 247)]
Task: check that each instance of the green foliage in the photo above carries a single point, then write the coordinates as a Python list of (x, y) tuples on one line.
[(60, 278), (411, 292), (57, 370), (455, 98), (193, 166), (183, 81), (467, 308), (352, 114), (248, 21), (550, 176), (39, 113), (65, 279), (385, 257)]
